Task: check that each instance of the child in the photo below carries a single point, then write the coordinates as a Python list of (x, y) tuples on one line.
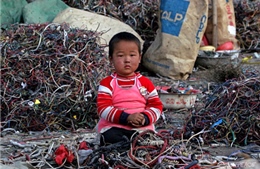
[(127, 102)]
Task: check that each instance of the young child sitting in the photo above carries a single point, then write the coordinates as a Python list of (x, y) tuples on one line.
[(127, 101)]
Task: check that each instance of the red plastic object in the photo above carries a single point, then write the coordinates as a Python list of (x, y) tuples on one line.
[(70, 157), (205, 41), (165, 88), (83, 145), (195, 167), (61, 153), (226, 46)]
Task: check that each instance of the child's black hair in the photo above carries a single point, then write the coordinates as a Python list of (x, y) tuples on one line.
[(123, 36)]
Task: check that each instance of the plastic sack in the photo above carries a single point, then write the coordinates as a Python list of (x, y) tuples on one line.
[(182, 24)]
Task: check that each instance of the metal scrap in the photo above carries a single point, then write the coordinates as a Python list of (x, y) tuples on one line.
[(49, 77)]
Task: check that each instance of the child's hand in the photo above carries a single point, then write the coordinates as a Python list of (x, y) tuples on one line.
[(138, 125), (136, 119)]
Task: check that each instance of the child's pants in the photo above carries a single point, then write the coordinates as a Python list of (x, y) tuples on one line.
[(114, 135)]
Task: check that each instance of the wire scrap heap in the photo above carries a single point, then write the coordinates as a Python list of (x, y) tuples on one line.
[(49, 77), (231, 113)]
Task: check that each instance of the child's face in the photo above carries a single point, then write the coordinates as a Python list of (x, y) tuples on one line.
[(126, 58)]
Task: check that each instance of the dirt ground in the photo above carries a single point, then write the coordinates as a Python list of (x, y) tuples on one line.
[(211, 74), (41, 139), (201, 76)]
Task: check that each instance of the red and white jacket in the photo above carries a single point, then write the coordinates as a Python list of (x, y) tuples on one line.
[(118, 94)]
